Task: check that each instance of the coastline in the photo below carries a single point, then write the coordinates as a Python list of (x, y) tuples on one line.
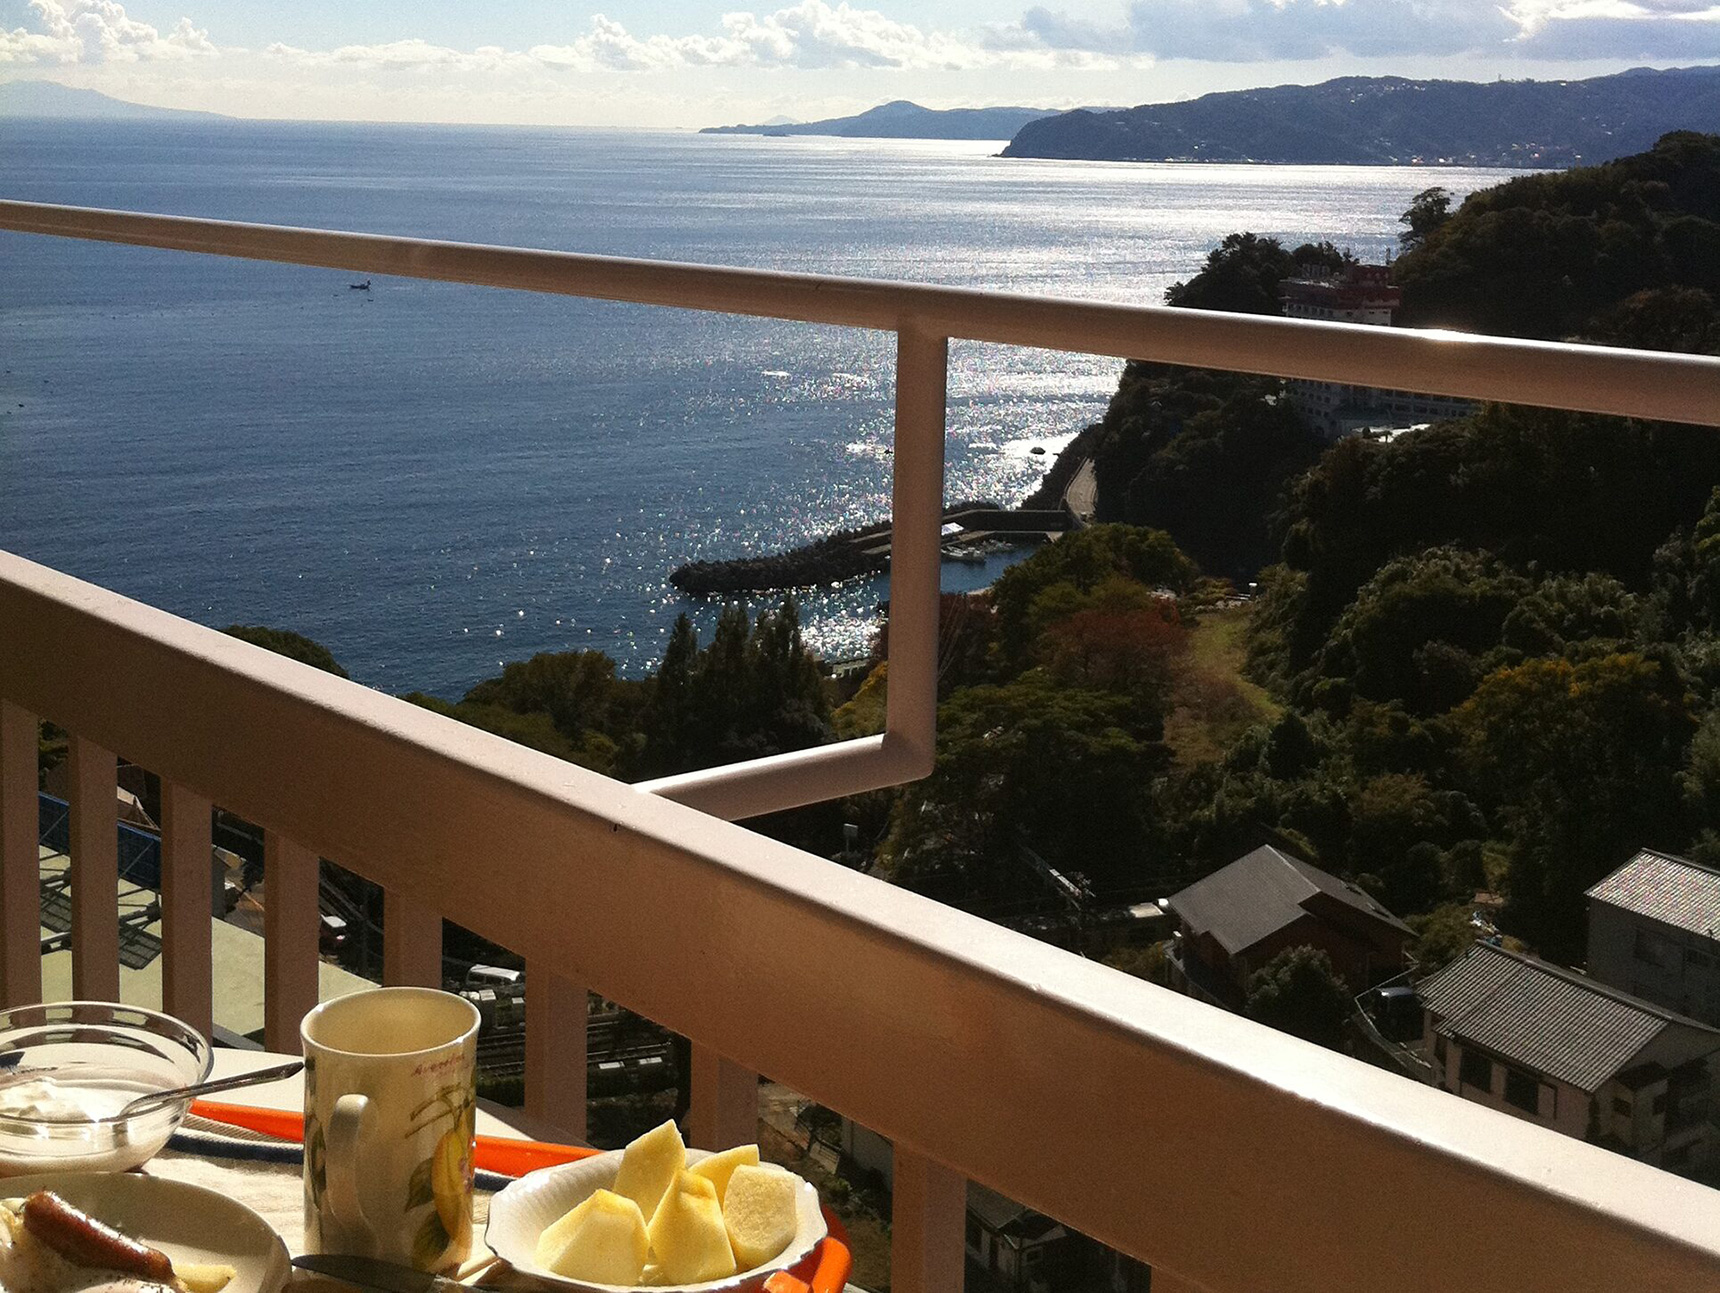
[(865, 551)]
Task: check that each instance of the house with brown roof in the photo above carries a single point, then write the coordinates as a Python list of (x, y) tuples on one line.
[(1654, 931), (1238, 918), (1555, 1047)]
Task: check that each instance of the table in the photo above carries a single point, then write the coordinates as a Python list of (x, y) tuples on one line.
[(274, 1191)]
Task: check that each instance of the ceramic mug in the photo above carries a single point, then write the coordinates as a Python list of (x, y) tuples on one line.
[(390, 1109)]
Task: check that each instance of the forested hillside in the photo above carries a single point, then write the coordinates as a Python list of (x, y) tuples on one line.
[(1626, 253), (1395, 120), (1496, 638)]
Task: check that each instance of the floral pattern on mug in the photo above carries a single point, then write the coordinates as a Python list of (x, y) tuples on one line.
[(444, 1178)]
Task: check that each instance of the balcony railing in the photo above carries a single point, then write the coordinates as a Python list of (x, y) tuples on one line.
[(1228, 1156)]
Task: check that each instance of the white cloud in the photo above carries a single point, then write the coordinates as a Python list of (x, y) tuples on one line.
[(400, 55), (822, 36), (810, 35), (1664, 29), (98, 31), (1243, 31), (814, 35)]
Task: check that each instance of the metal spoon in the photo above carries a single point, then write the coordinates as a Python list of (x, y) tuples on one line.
[(155, 1098)]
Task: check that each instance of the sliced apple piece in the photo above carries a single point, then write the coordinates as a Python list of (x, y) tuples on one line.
[(759, 1210), (717, 1168), (602, 1241), (688, 1238), (648, 1164), (205, 1278)]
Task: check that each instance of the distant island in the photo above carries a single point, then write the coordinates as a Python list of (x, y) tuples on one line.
[(904, 120), (1390, 120), (62, 102)]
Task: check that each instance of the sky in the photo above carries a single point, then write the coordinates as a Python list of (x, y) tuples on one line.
[(691, 63)]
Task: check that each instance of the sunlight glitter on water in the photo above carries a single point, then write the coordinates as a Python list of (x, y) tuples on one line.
[(401, 476)]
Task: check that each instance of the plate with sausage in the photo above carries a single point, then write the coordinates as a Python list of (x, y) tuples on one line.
[(123, 1233)]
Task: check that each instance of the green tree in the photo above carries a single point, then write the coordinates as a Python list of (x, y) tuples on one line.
[(1204, 456), (667, 717), (1083, 560), (1559, 491), (754, 690), (295, 646), (1065, 771), (1428, 210), (1441, 936), (1416, 630), (1399, 826), (578, 690), (1544, 255), (1700, 784), (1298, 992), (1683, 319), (1579, 765), (1242, 274)]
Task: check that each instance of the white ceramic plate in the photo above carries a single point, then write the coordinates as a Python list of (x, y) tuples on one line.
[(187, 1222), (530, 1205)]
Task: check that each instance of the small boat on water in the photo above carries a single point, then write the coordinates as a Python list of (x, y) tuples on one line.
[(972, 556), (360, 287)]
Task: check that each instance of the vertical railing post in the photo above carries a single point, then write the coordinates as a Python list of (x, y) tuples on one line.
[(723, 1112), (20, 860), (557, 1016), (291, 932), (411, 942), (928, 1213), (94, 871), (187, 896), (917, 512)]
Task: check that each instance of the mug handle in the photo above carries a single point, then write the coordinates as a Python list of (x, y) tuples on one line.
[(345, 1135)]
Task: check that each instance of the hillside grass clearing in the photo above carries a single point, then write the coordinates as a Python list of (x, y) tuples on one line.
[(1211, 702)]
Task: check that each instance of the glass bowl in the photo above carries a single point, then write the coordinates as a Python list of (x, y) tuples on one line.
[(66, 1069)]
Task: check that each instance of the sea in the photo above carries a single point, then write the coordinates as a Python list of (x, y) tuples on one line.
[(433, 479)]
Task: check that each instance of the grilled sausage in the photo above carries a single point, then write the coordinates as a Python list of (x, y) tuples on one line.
[(84, 1241)]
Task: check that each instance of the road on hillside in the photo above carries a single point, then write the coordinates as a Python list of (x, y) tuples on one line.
[(1082, 495)]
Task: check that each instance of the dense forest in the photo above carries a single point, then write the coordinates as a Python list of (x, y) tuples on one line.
[(1484, 654), (1494, 638)]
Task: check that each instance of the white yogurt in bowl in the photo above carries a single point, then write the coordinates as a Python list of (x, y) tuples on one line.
[(66, 1071)]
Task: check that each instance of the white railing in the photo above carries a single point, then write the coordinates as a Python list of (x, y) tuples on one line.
[(1229, 1156)]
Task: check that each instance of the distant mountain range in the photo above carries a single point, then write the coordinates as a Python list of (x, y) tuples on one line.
[(904, 120), (51, 99), (1392, 120)]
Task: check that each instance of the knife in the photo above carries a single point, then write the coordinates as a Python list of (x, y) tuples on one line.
[(389, 1277)]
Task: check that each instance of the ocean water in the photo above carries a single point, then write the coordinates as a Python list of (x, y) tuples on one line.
[(432, 479)]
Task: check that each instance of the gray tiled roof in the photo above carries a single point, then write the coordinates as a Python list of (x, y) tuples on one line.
[(1552, 1021), (1681, 893), (1262, 892)]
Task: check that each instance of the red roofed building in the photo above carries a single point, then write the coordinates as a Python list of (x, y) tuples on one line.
[(1356, 294)]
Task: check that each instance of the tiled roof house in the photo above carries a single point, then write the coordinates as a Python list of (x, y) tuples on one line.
[(1513, 1032), (1238, 918), (1654, 931)]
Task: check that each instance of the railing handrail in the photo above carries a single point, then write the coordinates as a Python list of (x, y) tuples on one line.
[(1233, 1156), (1595, 379), (1023, 1066)]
